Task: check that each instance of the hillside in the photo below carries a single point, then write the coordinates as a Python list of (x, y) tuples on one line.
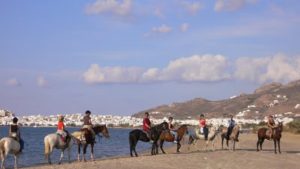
[(274, 98)]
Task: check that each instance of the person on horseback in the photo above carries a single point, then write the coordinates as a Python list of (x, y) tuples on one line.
[(203, 126), (231, 124), (14, 132), (87, 123), (271, 126), (172, 128), (61, 130), (147, 125)]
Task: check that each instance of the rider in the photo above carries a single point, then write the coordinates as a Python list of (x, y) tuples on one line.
[(172, 128), (61, 130), (87, 123), (231, 124), (203, 126), (271, 126), (14, 132), (146, 124)]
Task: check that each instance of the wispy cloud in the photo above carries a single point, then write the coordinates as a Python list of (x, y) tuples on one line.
[(191, 7), (162, 29), (278, 68), (113, 7), (41, 81), (13, 82), (184, 27), (232, 5), (186, 69)]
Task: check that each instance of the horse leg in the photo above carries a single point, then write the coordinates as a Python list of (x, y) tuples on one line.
[(156, 147), (16, 161), (258, 143), (161, 146), (275, 142), (84, 152), (278, 141), (178, 146), (222, 138), (61, 156), (3, 160), (92, 152), (78, 152), (261, 143)]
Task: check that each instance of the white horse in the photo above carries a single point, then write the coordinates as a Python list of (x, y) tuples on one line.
[(212, 134), (54, 141), (9, 145)]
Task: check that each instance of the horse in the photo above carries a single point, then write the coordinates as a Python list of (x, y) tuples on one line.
[(213, 132), (54, 140), (89, 139), (9, 145), (233, 136), (262, 135), (137, 134), (169, 137)]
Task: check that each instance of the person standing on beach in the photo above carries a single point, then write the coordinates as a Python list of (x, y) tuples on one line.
[(61, 130), (87, 123), (14, 132), (146, 124), (203, 126)]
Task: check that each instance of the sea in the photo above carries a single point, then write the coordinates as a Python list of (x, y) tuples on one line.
[(33, 153)]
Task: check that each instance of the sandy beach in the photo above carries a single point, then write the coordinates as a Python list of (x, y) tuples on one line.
[(194, 157)]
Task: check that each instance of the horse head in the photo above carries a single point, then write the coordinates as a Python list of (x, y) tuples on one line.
[(101, 129), (164, 126)]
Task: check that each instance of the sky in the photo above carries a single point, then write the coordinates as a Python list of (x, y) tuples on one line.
[(120, 57)]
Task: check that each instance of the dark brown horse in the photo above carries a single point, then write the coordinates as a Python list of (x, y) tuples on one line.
[(262, 135), (169, 137), (89, 139), (137, 134)]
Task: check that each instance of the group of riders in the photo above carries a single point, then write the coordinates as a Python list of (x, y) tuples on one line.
[(203, 126), (14, 129)]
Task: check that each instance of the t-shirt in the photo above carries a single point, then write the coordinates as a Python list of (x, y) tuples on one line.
[(146, 121), (60, 125), (231, 123), (202, 122)]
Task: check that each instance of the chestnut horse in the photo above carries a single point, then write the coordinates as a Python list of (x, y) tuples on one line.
[(262, 135), (169, 137), (137, 134), (89, 139)]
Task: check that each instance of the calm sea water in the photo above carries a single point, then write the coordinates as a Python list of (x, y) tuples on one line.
[(33, 154)]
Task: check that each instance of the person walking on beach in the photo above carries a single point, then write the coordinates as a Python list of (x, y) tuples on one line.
[(147, 124), (61, 130), (87, 123), (203, 126), (271, 126), (231, 124), (14, 132)]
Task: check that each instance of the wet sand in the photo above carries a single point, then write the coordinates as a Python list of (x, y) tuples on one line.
[(194, 157)]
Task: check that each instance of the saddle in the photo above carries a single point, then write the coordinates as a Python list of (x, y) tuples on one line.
[(86, 135)]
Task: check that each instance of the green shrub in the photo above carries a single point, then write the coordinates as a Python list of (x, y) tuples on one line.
[(294, 126)]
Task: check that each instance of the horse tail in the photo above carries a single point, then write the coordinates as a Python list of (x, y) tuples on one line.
[(47, 148), (2, 149)]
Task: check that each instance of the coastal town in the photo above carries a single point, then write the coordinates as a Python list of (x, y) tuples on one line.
[(75, 120)]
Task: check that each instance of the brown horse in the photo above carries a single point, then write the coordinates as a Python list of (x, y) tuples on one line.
[(262, 135), (169, 137), (89, 139), (233, 136)]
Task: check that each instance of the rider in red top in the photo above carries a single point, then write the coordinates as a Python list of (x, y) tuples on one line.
[(147, 125), (203, 127)]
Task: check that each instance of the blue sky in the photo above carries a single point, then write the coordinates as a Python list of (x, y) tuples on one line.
[(124, 56)]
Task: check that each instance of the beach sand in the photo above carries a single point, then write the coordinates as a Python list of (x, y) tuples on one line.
[(194, 157)]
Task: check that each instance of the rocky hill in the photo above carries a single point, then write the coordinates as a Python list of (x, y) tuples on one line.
[(274, 98)]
